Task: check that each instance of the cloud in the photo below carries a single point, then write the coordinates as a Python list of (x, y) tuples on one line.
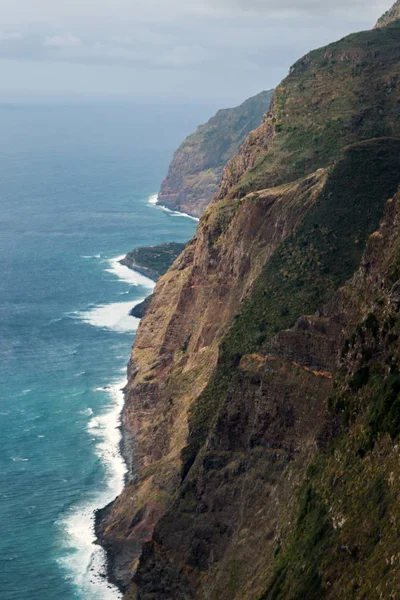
[(195, 46), (67, 40), (15, 36)]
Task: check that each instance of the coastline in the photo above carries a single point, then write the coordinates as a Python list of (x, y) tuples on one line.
[(89, 563), (153, 201), (153, 261), (113, 563)]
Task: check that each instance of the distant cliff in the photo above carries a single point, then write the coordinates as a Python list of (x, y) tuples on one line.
[(262, 416), (195, 172)]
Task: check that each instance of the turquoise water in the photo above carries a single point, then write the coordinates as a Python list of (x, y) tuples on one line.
[(74, 188)]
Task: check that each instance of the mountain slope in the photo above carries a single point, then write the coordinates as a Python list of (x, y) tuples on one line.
[(261, 407), (195, 172), (258, 423), (393, 14), (333, 96)]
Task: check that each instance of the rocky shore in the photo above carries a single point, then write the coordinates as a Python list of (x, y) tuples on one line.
[(153, 261)]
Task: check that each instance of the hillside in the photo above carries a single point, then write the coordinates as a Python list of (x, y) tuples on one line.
[(196, 169), (261, 421)]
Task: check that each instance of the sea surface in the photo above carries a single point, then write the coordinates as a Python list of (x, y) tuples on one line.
[(77, 185)]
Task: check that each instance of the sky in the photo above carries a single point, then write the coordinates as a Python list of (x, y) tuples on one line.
[(221, 51)]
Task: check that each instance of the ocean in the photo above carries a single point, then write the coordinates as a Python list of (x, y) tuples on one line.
[(77, 185)]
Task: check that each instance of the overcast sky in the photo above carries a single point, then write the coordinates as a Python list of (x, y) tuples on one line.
[(217, 50)]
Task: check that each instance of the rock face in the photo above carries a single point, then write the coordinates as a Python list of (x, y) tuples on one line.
[(195, 172), (390, 16), (262, 410)]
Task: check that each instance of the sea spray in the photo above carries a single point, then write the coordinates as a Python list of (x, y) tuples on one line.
[(116, 315), (153, 201), (128, 275), (85, 562)]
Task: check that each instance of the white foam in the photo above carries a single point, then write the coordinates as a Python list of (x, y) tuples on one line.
[(112, 316), (19, 459), (87, 412), (85, 562), (128, 275), (94, 256), (153, 201)]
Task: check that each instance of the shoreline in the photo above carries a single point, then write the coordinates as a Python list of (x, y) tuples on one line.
[(89, 564), (100, 514), (125, 262), (126, 443), (153, 201)]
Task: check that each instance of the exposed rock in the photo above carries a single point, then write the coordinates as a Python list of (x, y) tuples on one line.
[(176, 346), (139, 310), (196, 170), (393, 14), (262, 416)]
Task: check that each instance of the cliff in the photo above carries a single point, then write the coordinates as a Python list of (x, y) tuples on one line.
[(261, 420), (196, 169)]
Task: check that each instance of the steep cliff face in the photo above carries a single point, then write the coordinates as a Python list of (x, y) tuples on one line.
[(195, 172), (262, 403), (264, 414), (176, 350), (334, 96), (344, 540)]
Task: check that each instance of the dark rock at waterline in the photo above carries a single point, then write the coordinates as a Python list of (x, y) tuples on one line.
[(153, 261), (139, 310)]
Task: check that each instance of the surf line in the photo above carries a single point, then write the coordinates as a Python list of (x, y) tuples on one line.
[(153, 201)]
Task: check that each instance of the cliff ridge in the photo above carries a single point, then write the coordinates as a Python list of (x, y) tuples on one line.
[(196, 169), (261, 421)]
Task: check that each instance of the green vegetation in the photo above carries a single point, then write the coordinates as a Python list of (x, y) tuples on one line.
[(196, 170), (300, 563), (153, 261), (306, 269), (334, 96), (325, 250), (346, 535)]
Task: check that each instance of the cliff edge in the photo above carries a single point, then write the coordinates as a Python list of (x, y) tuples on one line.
[(196, 169), (261, 421)]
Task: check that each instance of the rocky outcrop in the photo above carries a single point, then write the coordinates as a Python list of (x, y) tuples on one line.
[(261, 419), (140, 309), (176, 350), (393, 14), (332, 97), (153, 261), (195, 172), (259, 423)]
